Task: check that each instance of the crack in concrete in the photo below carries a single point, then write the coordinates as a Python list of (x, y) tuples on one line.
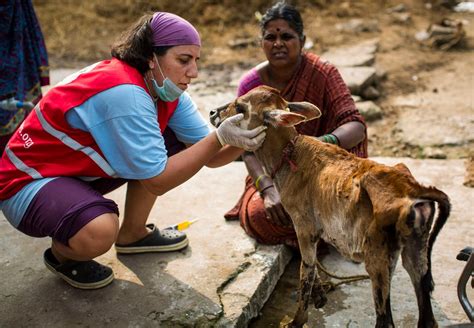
[(241, 268)]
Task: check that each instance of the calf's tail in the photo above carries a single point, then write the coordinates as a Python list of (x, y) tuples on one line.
[(444, 208)]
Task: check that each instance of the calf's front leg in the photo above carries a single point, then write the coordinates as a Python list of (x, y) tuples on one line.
[(318, 293), (308, 273)]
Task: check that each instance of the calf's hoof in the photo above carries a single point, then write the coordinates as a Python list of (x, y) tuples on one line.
[(287, 322), (319, 300), (428, 324)]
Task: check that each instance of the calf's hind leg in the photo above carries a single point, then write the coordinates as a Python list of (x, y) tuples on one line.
[(416, 260), (380, 260)]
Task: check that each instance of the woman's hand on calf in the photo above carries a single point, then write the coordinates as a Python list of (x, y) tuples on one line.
[(230, 133), (274, 207)]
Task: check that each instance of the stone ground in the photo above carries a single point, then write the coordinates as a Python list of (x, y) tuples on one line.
[(224, 278)]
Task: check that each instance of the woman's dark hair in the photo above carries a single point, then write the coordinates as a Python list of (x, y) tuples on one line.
[(135, 46), (283, 10)]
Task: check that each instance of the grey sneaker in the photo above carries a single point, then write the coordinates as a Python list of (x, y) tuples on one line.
[(165, 240)]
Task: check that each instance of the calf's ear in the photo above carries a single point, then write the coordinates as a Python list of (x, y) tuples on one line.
[(306, 109), (278, 117)]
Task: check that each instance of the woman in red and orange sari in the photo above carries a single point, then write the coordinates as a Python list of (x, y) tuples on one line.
[(299, 76)]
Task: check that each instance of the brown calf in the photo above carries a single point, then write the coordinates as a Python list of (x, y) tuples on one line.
[(368, 211)]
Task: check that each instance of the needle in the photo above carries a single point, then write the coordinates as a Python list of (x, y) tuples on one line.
[(182, 225)]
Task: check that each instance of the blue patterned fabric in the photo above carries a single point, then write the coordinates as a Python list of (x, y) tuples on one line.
[(23, 60)]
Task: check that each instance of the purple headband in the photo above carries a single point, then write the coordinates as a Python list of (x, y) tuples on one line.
[(172, 30)]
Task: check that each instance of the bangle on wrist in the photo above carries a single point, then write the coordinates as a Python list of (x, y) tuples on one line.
[(265, 188), (330, 138), (259, 180), (334, 138)]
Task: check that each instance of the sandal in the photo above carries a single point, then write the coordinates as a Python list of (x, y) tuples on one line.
[(165, 240), (79, 274)]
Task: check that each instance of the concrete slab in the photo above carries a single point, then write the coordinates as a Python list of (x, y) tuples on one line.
[(369, 110), (362, 54), (221, 280), (358, 78)]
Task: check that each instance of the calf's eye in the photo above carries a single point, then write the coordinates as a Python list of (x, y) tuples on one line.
[(239, 108)]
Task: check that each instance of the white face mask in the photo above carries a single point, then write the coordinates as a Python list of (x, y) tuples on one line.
[(169, 91)]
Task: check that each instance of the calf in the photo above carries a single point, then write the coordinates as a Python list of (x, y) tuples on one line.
[(368, 211)]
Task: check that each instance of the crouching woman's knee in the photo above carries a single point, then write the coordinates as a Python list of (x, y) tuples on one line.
[(96, 237)]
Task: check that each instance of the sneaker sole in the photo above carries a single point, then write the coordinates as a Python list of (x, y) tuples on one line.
[(95, 285), (152, 249)]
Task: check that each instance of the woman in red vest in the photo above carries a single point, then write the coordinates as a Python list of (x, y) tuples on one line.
[(127, 119)]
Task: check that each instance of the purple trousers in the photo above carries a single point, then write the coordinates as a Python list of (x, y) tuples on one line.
[(65, 205)]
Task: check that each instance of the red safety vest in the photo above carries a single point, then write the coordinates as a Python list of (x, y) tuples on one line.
[(45, 145)]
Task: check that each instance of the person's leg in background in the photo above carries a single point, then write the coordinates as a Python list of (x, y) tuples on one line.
[(24, 64)]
